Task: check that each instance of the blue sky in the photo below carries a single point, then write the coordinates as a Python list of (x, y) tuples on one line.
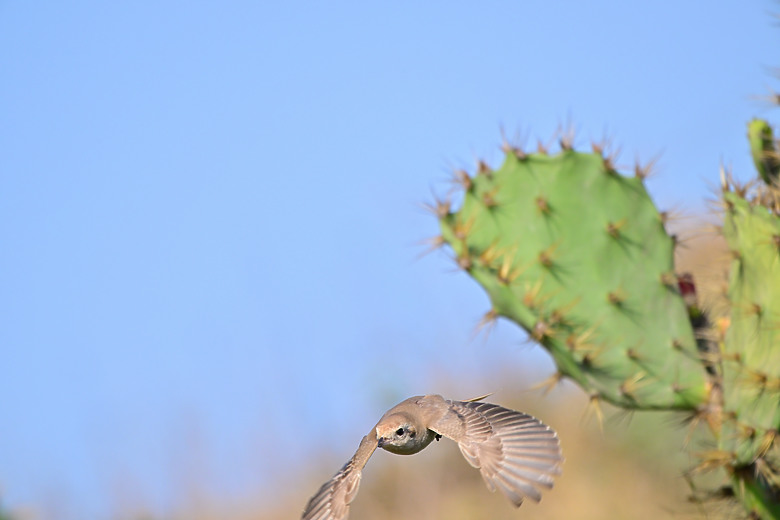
[(210, 213)]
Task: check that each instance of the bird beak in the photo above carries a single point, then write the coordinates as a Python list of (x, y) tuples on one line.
[(381, 441)]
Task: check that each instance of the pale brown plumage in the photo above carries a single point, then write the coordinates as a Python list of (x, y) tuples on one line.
[(515, 452)]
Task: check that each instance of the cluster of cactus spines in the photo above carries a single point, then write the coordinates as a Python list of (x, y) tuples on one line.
[(577, 254)]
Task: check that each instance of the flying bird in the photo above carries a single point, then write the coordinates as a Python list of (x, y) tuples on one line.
[(515, 453)]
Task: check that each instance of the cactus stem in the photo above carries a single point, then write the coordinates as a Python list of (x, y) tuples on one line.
[(762, 147), (633, 354)]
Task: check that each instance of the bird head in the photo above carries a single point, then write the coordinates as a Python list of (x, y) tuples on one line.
[(399, 434)]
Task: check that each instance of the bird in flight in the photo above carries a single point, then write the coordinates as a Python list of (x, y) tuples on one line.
[(514, 452)]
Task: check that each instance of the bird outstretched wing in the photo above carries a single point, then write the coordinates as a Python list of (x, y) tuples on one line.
[(332, 500), (515, 452)]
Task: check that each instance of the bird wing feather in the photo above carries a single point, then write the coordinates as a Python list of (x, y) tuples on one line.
[(332, 500), (514, 452)]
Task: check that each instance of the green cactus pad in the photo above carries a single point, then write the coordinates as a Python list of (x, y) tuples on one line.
[(764, 150), (751, 365), (577, 254)]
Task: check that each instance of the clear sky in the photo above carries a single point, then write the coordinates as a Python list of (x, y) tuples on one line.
[(209, 213)]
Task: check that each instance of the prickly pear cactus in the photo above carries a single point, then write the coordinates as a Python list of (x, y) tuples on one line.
[(751, 351), (577, 254), (764, 150)]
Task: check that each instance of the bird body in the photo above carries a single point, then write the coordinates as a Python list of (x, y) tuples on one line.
[(515, 452)]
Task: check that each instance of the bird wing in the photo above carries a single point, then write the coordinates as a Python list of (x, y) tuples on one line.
[(515, 452), (332, 500)]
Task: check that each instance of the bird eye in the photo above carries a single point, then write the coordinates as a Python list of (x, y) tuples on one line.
[(399, 432)]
